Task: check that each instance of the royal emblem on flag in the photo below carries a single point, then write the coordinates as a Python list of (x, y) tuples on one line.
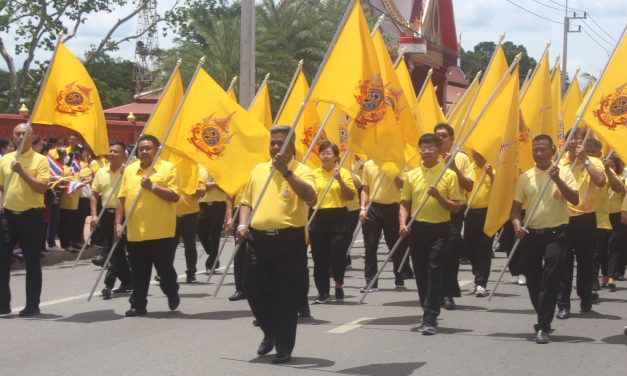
[(612, 110), (343, 126), (211, 135), (308, 136), (74, 99), (371, 99), (524, 133)]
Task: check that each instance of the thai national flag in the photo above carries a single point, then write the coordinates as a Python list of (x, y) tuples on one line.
[(56, 170), (74, 185), (75, 167)]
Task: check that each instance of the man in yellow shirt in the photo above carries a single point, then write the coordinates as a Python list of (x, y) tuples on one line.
[(151, 227), (582, 225), (23, 219), (276, 258), (614, 170), (543, 242), (186, 223), (477, 244), (429, 232), (103, 191), (455, 245)]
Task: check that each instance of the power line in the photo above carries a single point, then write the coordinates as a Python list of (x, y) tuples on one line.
[(563, 8), (595, 41), (599, 35), (602, 29), (535, 14), (548, 6)]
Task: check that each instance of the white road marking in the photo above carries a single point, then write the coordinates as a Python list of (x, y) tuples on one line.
[(465, 282), (350, 326)]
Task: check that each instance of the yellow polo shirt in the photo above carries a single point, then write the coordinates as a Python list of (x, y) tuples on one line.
[(103, 184), (482, 199), (388, 193), (624, 206), (280, 207), (353, 204), (588, 191), (154, 217), (418, 181), (19, 195), (334, 198), (616, 199), (464, 165), (602, 208), (213, 194), (188, 204), (69, 201), (552, 210)]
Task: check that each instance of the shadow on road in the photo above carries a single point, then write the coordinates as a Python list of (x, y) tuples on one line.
[(397, 369), (554, 338), (620, 339), (92, 317)]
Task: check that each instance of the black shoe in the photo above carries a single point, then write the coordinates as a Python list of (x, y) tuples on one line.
[(98, 261), (399, 283), (255, 323), (5, 311), (464, 261), (595, 295), (542, 336), (265, 346), (586, 306), (322, 299), (339, 293), (429, 329), (136, 312), (191, 278), (123, 288), (157, 278), (173, 301), (449, 303), (304, 312), (408, 274), (29, 311), (281, 358), (563, 314), (106, 293), (612, 287), (237, 295)]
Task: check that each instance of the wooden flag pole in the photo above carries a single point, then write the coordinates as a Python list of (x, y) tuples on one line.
[(233, 80)]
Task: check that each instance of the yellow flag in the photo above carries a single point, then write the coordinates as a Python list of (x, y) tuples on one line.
[(260, 108), (352, 80), (429, 108), (459, 112), (231, 93), (536, 104), (554, 127), (162, 115), (308, 124), (571, 104), (70, 99), (502, 193), (216, 132), (606, 113)]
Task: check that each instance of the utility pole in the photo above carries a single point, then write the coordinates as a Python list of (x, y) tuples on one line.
[(567, 30), (247, 53)]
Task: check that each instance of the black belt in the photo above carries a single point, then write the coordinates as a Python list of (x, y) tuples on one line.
[(542, 231), (275, 232), (110, 210), (15, 212)]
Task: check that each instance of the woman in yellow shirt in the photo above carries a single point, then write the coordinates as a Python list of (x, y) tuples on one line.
[(329, 229)]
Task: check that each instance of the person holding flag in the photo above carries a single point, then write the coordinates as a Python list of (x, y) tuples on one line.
[(186, 222), (22, 220), (68, 204), (151, 227)]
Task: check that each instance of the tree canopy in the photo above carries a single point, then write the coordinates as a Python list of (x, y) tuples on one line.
[(478, 58)]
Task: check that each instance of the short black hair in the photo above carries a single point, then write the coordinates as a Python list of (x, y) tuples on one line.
[(593, 142), (118, 143), (430, 138), (544, 137), (151, 138), (329, 145), (53, 139), (284, 129), (4, 142), (446, 127), (571, 130)]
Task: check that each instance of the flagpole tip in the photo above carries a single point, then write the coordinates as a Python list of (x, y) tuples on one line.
[(267, 77), (401, 51), (479, 74), (430, 71), (382, 18), (179, 62), (502, 37), (301, 62), (548, 44), (202, 60), (234, 79), (518, 57)]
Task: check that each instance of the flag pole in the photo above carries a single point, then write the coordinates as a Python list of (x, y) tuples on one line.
[(299, 68), (264, 82), (233, 80), (474, 98), (455, 102), (381, 176), (446, 166), (401, 55), (535, 71), (456, 105), (530, 214), (474, 195), (377, 25), (525, 83), (557, 62), (326, 191), (118, 180), (290, 135), (148, 172), (226, 238), (571, 83), (318, 133), (22, 144), (424, 84)]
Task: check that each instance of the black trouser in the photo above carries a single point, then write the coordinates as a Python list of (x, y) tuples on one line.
[(617, 247), (143, 255), (452, 253), (118, 265), (66, 223), (427, 243), (26, 228), (238, 262), (600, 254), (77, 232), (478, 245), (579, 243), (273, 285), (210, 223), (382, 217), (186, 229), (542, 256), (353, 220), (507, 243), (328, 246)]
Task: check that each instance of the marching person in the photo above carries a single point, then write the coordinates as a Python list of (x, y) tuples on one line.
[(477, 244), (589, 174), (465, 177), (103, 191), (617, 242), (68, 204), (276, 258), (240, 257), (382, 217), (329, 230), (429, 232), (543, 242), (23, 218), (151, 227)]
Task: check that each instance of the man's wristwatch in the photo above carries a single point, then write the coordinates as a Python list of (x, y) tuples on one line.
[(288, 173), (586, 162)]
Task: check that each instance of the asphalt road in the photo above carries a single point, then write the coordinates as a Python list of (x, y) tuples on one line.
[(212, 336)]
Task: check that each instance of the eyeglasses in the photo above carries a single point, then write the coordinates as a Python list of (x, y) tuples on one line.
[(428, 148), (326, 153)]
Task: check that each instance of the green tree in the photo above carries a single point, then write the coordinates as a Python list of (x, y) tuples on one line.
[(114, 80), (479, 58)]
